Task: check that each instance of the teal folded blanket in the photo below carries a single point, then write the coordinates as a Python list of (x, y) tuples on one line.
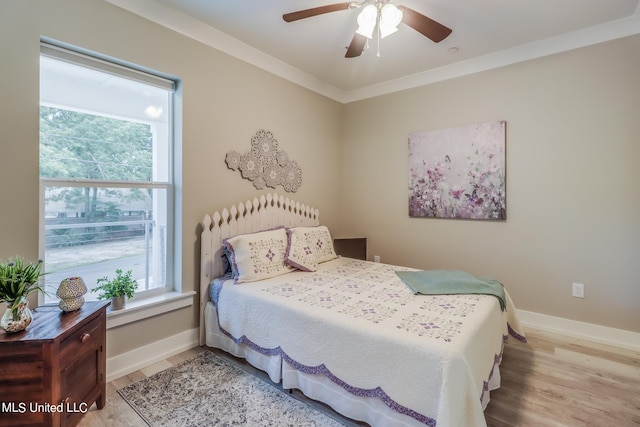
[(449, 282)]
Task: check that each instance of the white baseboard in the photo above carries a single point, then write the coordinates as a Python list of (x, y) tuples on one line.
[(142, 357), (588, 331)]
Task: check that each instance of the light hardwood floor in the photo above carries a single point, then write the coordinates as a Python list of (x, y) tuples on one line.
[(550, 381)]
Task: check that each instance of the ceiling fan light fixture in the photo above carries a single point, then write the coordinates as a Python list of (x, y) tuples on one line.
[(367, 20), (390, 18), (379, 17)]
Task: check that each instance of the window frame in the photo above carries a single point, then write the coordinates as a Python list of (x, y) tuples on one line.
[(155, 300)]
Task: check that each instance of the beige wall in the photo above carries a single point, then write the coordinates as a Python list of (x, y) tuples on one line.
[(572, 130), (224, 102), (573, 202)]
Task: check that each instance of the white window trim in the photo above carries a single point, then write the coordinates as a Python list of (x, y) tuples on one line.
[(144, 306)]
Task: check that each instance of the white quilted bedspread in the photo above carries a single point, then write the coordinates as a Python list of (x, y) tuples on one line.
[(432, 355)]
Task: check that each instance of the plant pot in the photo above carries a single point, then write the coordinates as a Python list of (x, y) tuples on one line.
[(118, 303), (17, 317)]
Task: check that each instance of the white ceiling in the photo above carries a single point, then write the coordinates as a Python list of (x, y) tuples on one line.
[(310, 52)]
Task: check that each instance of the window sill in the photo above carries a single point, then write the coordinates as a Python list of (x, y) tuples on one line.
[(149, 307)]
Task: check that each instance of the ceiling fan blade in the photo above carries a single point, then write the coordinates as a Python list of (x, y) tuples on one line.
[(307, 13), (357, 46), (424, 25)]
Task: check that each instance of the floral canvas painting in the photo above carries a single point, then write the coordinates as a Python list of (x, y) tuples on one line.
[(458, 172)]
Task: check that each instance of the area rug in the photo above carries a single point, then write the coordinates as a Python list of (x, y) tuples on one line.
[(208, 390)]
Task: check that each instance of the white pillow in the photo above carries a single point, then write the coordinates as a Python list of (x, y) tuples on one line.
[(259, 255), (300, 253), (319, 241)]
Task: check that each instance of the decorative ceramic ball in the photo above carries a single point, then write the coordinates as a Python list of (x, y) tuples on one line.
[(70, 292)]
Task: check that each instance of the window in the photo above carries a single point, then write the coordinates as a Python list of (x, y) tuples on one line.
[(106, 172)]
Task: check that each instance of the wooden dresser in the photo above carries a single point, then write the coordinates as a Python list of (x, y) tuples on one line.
[(57, 364)]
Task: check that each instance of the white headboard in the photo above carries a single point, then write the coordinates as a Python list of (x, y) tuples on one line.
[(264, 213)]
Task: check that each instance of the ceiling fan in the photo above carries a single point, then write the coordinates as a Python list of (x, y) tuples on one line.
[(380, 15)]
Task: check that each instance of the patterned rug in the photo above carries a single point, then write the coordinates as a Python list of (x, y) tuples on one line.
[(210, 391)]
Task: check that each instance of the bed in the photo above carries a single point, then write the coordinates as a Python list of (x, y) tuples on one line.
[(349, 333)]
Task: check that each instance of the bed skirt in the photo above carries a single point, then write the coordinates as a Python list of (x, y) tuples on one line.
[(371, 410)]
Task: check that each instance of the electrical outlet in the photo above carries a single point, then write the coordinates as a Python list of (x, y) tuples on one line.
[(577, 290), (376, 258)]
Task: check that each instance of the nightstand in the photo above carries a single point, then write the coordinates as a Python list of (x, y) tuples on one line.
[(352, 247), (51, 373)]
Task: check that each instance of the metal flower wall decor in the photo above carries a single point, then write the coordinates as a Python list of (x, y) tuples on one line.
[(265, 166)]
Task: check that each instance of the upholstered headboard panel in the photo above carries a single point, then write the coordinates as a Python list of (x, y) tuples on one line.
[(263, 213)]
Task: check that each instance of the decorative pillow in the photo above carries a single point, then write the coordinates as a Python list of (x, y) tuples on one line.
[(324, 244), (319, 241), (258, 255), (300, 253), (227, 264)]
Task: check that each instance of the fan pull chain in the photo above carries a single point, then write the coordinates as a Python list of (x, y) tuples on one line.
[(379, 38)]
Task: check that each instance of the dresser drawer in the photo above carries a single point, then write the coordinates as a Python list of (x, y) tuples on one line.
[(86, 339)]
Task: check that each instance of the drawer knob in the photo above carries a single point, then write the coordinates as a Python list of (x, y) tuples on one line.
[(85, 337)]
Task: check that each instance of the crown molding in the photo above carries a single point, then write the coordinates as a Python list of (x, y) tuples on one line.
[(563, 43), (197, 30)]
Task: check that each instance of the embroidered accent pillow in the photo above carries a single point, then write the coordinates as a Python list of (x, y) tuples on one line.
[(323, 244), (259, 255), (300, 253), (319, 241)]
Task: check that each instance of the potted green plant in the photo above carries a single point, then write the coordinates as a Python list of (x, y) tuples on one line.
[(117, 289), (17, 281)]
